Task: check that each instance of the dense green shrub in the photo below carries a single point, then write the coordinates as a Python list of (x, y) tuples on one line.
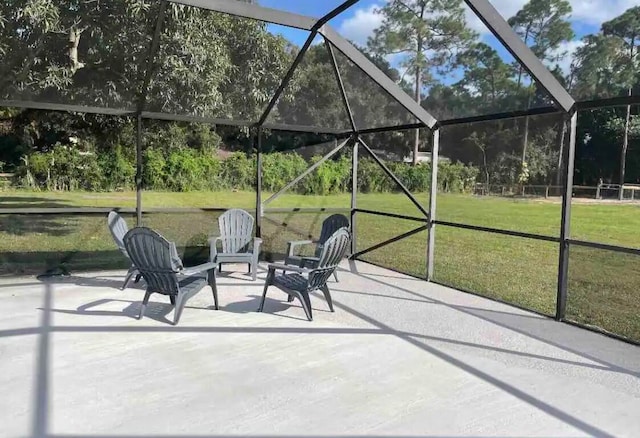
[(331, 177), (456, 177), (279, 169), (118, 173), (190, 169), (154, 169), (238, 172), (198, 167), (62, 168), (371, 178)]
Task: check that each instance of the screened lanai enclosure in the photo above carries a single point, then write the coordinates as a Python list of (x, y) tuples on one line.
[(307, 106)]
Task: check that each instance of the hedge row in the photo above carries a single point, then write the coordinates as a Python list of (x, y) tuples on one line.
[(188, 169)]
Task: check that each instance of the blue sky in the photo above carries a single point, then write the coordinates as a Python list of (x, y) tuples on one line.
[(358, 22)]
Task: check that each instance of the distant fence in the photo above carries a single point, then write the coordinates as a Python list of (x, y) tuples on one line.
[(630, 192), (5, 179)]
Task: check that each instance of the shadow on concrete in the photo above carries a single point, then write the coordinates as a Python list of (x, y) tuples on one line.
[(42, 399)]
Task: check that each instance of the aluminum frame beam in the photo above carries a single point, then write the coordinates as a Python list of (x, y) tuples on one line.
[(305, 173), (49, 106), (139, 171), (302, 128), (354, 197), (370, 69), (259, 206), (565, 220), (343, 92), (491, 18), (287, 78), (195, 119), (337, 11), (390, 241), (392, 215), (540, 237), (433, 196), (391, 175), (255, 12), (151, 58)]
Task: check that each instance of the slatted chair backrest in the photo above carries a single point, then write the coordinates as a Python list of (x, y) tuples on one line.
[(236, 230), (333, 252), (329, 226), (118, 228), (156, 259)]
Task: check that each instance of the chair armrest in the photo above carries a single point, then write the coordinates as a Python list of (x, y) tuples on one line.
[(293, 244), (175, 258), (311, 260), (213, 246), (291, 268), (197, 269)]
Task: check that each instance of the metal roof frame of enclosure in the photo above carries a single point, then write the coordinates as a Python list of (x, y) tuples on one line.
[(352, 137), (482, 8)]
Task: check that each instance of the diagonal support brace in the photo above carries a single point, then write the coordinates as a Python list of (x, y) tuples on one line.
[(306, 172), (390, 241), (391, 175)]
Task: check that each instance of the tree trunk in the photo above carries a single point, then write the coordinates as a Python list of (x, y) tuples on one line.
[(486, 171), (418, 94), (525, 140), (560, 169), (418, 97), (74, 42), (625, 146)]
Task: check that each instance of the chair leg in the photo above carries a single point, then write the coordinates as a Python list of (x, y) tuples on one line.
[(335, 275), (327, 296), (172, 298), (145, 301), (214, 287), (267, 283), (177, 310), (127, 279), (264, 297), (306, 305), (138, 277), (290, 298)]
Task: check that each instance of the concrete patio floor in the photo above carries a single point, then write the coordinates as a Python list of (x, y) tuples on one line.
[(399, 357)]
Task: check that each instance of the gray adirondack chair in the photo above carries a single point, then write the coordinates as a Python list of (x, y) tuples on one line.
[(118, 228), (237, 243), (158, 261), (329, 226), (302, 281)]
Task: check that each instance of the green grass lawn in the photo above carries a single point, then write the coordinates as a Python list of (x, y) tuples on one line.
[(603, 285)]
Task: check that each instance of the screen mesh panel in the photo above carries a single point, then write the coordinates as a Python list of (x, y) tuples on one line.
[(92, 54), (504, 174), (371, 105), (512, 269), (603, 290), (312, 97), (408, 255), (219, 66)]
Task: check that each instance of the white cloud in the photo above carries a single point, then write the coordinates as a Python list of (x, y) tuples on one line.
[(361, 26), (589, 12)]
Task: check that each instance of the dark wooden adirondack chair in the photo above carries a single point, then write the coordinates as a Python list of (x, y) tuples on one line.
[(118, 228), (159, 264), (238, 245), (302, 281), (329, 226)]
